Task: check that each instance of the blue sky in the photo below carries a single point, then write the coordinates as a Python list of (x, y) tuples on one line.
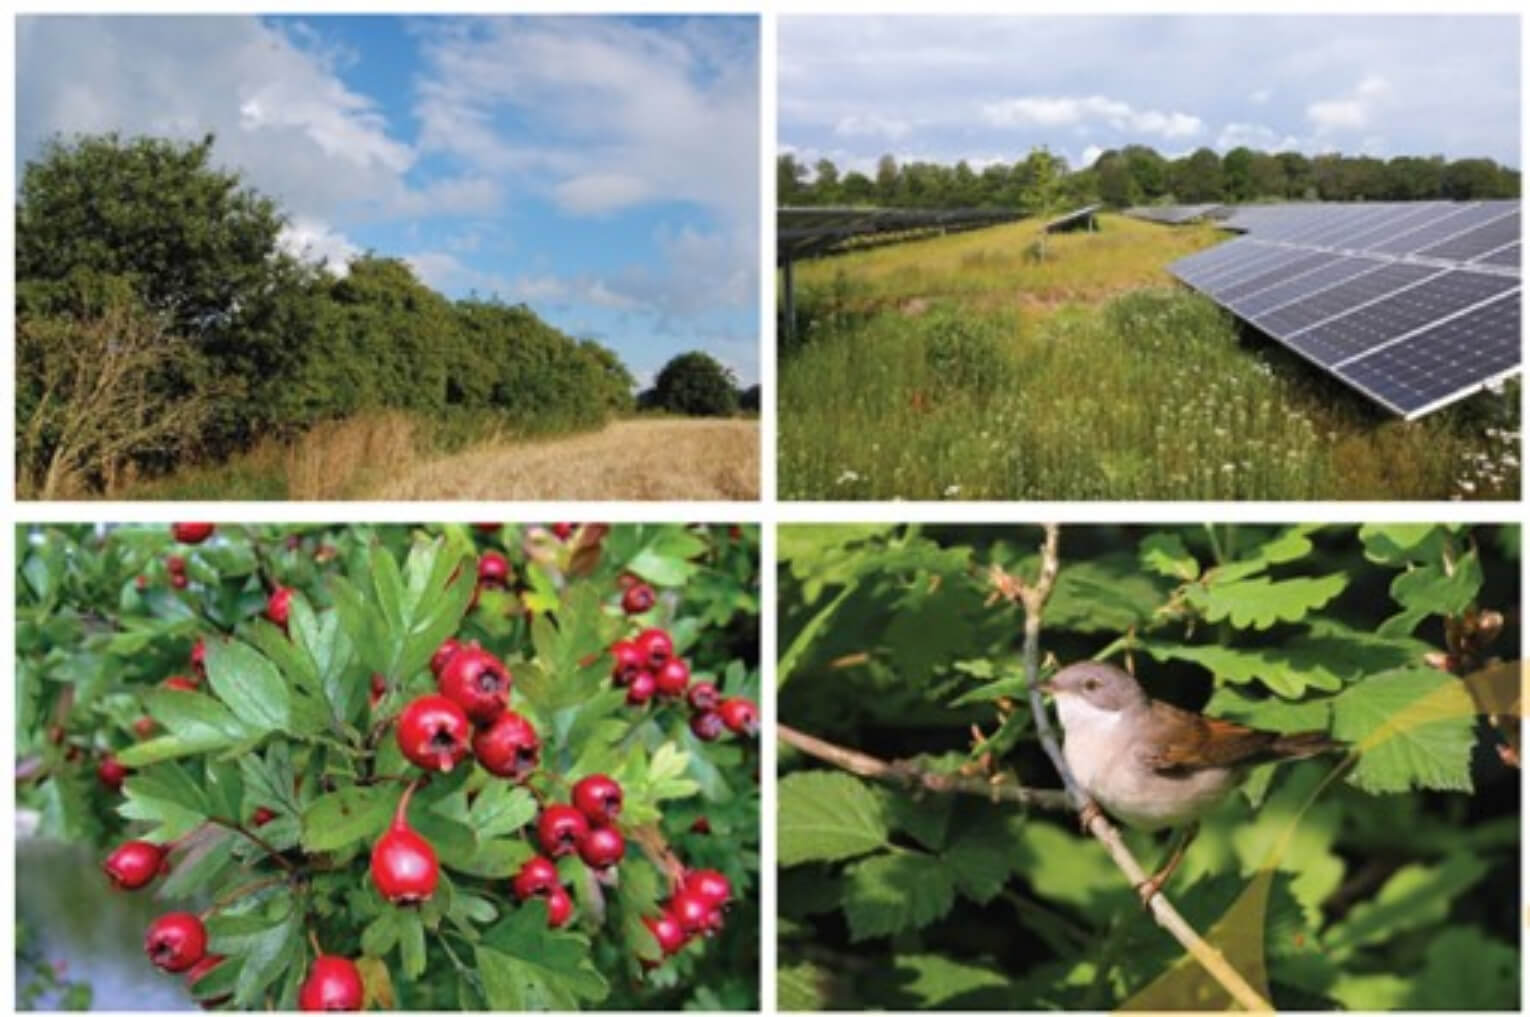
[(989, 88), (603, 170)]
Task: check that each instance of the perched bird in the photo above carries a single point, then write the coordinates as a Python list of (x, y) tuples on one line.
[(1152, 765)]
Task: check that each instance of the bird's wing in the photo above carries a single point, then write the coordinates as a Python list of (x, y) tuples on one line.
[(1179, 740)]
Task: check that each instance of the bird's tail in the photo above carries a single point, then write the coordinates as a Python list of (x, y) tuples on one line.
[(1303, 744)]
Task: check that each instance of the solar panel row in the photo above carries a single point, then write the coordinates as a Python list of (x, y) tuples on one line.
[(1413, 304)]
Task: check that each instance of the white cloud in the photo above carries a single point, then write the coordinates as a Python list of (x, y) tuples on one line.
[(315, 240), (1089, 155), (1260, 96), (1258, 137), (594, 193), (1351, 112), (1043, 111), (873, 125)]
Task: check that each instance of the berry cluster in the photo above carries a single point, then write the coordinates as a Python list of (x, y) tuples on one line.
[(646, 666), (695, 909)]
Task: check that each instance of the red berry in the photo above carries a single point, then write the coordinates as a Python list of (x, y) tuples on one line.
[(333, 983), (179, 683), (477, 681), (667, 932), (199, 657), (379, 688), (537, 876), (175, 564), (602, 848), (702, 825), (488, 527), (638, 598), (627, 661), (672, 677), (279, 605), (442, 655), (111, 773), (740, 716), (707, 725), (655, 645), (176, 941), (641, 689), (711, 885), (509, 747), (693, 911), (598, 797), (493, 569), (262, 816), (179, 581), (141, 581), (702, 696), (563, 530), (560, 906), (191, 533), (134, 864), (404, 867), (433, 733), (560, 828), (143, 727)]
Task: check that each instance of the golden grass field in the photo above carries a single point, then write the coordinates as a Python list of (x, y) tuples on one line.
[(662, 459), (379, 456), (970, 366)]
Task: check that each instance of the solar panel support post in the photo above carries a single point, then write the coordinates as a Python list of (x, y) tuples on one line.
[(788, 302)]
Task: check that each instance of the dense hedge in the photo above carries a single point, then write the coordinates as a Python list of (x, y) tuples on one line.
[(279, 344)]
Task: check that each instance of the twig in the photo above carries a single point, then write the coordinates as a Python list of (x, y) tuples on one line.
[(259, 841), (906, 773), (1033, 597)]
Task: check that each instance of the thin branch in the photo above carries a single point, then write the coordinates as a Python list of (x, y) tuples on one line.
[(1033, 598), (907, 773), (259, 841)]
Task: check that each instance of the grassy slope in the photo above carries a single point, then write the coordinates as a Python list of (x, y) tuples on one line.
[(377, 456), (961, 367)]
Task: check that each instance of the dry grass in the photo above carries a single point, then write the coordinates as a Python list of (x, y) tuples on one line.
[(343, 458), (642, 460)]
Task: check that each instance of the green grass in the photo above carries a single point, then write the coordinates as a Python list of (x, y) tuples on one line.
[(964, 368)]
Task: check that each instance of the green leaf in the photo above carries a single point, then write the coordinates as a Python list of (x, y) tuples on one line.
[(1289, 546), (1166, 554), (194, 717), (1467, 972), (167, 796), (1275, 668), (826, 817), (411, 942), (1415, 897), (266, 945), (1260, 603), (665, 561), (889, 893), (1411, 728), (981, 857), (1400, 543), (1434, 590), (501, 808), (343, 817), (938, 980), (802, 988), (249, 684), (527, 966)]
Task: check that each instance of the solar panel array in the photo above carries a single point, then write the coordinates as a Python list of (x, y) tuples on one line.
[(1174, 215), (1414, 304), (803, 231), (1079, 218)]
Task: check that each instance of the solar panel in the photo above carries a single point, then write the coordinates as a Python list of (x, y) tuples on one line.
[(1410, 308), (1443, 362), (1415, 304), (1477, 241)]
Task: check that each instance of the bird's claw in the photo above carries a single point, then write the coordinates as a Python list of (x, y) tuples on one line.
[(1088, 814)]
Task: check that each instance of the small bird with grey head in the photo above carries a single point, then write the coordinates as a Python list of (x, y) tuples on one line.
[(1153, 765)]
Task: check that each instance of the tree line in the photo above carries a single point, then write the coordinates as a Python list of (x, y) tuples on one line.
[(160, 322), (1137, 174)]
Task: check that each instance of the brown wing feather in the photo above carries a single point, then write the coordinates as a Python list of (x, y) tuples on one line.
[(1196, 742), (1184, 741)]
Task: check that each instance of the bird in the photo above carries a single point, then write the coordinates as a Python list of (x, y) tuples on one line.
[(1153, 765)]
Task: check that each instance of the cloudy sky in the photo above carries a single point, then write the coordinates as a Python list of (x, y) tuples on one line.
[(604, 171), (987, 89)]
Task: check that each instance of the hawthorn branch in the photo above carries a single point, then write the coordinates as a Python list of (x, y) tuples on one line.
[(1032, 598), (255, 839), (908, 774)]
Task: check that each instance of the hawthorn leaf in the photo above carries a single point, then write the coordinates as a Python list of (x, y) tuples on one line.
[(803, 987), (501, 808), (527, 966), (250, 685), (825, 816), (1433, 589), (938, 980), (1261, 602), (1166, 554), (167, 796), (340, 818), (1416, 896)]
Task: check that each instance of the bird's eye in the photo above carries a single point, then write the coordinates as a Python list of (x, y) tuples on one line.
[(1092, 684)]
